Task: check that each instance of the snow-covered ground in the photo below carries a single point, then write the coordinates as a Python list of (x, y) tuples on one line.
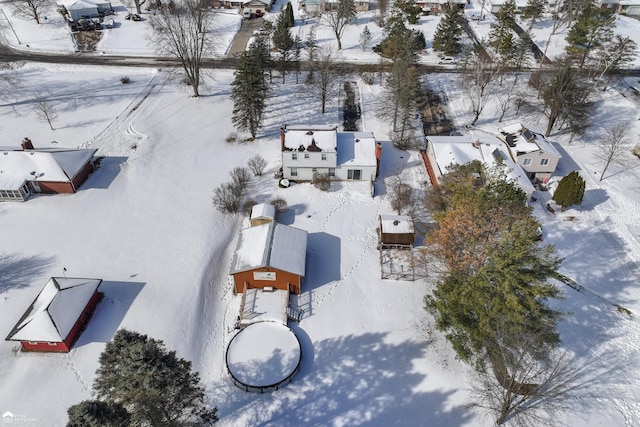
[(144, 224)]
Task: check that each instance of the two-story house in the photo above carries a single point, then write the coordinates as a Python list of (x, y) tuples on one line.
[(321, 149), (531, 150)]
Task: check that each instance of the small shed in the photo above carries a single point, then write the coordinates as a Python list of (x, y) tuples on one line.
[(81, 8), (262, 213), (270, 255), (58, 315), (396, 230)]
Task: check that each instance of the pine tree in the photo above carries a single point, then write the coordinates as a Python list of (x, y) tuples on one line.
[(283, 42), (365, 38), (593, 28), (153, 384), (288, 11), (570, 190), (501, 37), (96, 413), (496, 278), (447, 36), (249, 89)]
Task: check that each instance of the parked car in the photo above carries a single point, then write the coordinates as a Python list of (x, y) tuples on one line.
[(246, 13), (446, 60), (133, 17), (476, 17)]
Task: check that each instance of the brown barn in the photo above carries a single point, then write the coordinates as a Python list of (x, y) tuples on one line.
[(270, 255), (262, 213), (396, 230), (28, 170), (58, 315)]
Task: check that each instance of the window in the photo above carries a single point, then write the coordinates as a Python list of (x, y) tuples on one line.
[(526, 162), (294, 156), (53, 344), (306, 155), (544, 162), (314, 170), (324, 156), (354, 173), (332, 171), (294, 171)]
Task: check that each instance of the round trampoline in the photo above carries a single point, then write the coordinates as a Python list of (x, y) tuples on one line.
[(263, 356)]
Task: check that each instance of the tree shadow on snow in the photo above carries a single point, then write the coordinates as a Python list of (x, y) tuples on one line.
[(355, 380), (17, 271), (118, 298)]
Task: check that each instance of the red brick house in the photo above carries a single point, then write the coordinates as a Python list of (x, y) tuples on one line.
[(270, 255), (58, 315), (28, 170)]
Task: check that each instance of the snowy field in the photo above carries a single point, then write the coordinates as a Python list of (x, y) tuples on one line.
[(144, 224)]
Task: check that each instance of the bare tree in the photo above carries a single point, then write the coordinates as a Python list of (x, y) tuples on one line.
[(30, 9), (616, 55), (328, 74), (613, 146), (338, 18), (187, 34), (401, 194), (241, 177), (257, 164), (478, 82), (506, 98), (526, 391), (226, 197), (45, 110)]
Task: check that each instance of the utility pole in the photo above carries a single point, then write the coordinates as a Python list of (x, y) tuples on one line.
[(9, 22)]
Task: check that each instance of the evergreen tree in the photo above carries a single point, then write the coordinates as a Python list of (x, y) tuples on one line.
[(400, 40), (533, 11), (283, 42), (570, 190), (496, 282), (96, 413), (365, 38), (447, 36), (593, 27), (501, 37), (249, 89), (288, 11), (153, 384)]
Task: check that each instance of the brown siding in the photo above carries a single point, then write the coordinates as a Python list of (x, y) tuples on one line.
[(397, 239), (82, 175), (283, 278), (260, 221), (55, 187)]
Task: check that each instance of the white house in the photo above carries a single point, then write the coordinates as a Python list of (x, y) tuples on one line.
[(531, 150), (307, 150), (80, 8), (444, 151)]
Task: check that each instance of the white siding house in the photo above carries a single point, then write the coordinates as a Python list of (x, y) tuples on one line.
[(307, 150)]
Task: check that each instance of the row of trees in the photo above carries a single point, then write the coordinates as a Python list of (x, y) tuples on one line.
[(493, 296), (140, 382)]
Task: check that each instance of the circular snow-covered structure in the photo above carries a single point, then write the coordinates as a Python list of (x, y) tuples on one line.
[(263, 356)]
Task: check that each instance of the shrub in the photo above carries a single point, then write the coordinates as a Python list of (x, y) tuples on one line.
[(280, 205), (96, 413), (232, 137), (321, 181), (248, 205), (124, 80), (241, 177), (257, 164), (226, 198), (570, 190)]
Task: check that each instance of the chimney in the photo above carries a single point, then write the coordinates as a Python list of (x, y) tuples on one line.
[(282, 139), (27, 144), (378, 157)]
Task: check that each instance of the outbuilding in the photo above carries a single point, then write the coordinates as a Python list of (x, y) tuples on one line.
[(270, 255), (396, 230), (58, 315), (262, 213)]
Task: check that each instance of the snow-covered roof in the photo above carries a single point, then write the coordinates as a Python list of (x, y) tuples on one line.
[(263, 210), (55, 310), (462, 150), (271, 245), (52, 165), (396, 224), (81, 4), (324, 137), (522, 140), (356, 149)]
